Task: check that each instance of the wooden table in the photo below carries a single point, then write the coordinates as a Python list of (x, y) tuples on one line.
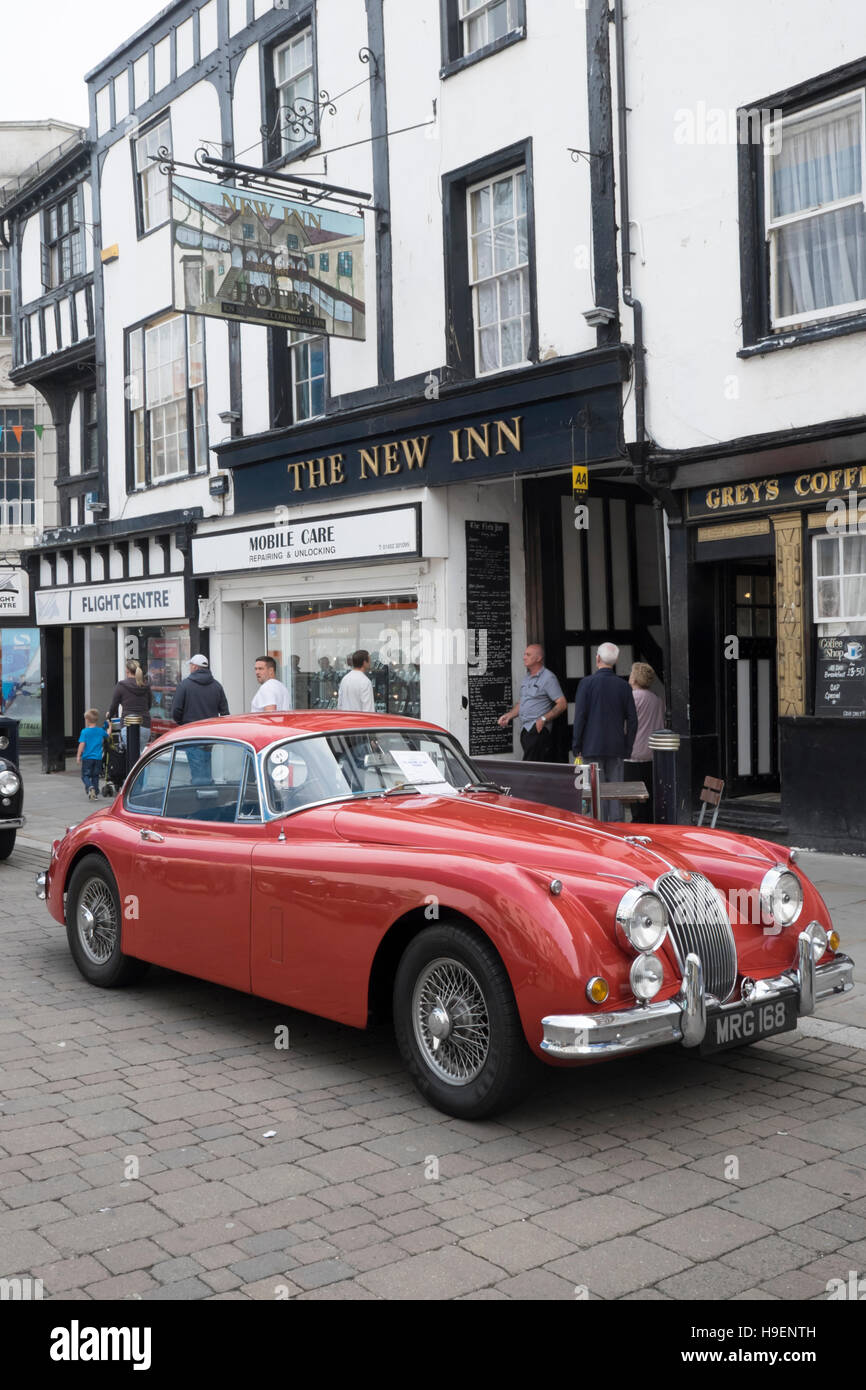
[(627, 792)]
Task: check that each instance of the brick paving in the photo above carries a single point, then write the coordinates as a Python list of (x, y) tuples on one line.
[(155, 1145)]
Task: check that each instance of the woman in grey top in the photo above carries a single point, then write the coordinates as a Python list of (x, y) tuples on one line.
[(650, 716)]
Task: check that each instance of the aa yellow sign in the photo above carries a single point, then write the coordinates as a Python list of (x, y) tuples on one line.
[(580, 478)]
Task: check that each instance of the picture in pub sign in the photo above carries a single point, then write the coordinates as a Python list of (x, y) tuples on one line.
[(842, 677)]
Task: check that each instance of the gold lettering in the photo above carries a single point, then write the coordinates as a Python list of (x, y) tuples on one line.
[(483, 441), (713, 498), (801, 485), (317, 472), (835, 479), (727, 496), (415, 451), (391, 464), (297, 471), (337, 474), (850, 477), (741, 494), (755, 489), (772, 486), (456, 456), (823, 485), (370, 461), (514, 436)]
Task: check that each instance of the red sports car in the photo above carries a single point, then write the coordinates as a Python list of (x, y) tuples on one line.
[(346, 864)]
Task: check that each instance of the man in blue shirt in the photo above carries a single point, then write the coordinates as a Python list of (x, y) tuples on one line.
[(541, 701), (605, 722)]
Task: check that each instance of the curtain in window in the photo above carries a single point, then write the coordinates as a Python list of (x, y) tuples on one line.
[(821, 260)]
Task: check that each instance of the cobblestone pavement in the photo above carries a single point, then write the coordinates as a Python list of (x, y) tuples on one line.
[(154, 1144)]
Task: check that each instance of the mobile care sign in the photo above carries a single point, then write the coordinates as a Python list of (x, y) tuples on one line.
[(359, 536), (254, 258), (111, 603)]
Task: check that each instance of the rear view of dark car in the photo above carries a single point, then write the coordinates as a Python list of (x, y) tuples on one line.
[(11, 787)]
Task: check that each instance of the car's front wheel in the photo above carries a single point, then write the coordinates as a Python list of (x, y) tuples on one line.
[(93, 926), (7, 842), (457, 1024)]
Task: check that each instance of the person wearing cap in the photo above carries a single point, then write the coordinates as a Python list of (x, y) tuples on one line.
[(199, 696)]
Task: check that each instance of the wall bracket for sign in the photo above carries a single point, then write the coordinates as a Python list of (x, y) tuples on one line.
[(255, 179)]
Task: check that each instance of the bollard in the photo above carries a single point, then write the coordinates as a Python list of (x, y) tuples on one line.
[(664, 744), (133, 739)]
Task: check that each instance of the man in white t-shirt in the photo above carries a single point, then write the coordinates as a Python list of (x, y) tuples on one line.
[(356, 689), (272, 696)]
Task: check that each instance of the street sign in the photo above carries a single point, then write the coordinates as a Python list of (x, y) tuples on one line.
[(580, 478)]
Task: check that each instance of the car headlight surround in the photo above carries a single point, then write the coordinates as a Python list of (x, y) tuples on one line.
[(641, 920), (646, 977), (781, 895), (819, 939), (9, 782)]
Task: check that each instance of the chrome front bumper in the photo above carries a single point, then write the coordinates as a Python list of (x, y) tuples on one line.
[(684, 1018), (12, 822)]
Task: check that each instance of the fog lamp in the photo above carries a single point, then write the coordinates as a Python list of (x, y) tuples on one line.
[(646, 977), (818, 938), (834, 940), (597, 990)]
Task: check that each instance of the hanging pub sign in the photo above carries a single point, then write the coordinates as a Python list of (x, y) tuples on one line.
[(254, 258), (841, 686)]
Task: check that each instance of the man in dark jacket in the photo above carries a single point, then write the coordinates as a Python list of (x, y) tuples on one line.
[(199, 696), (605, 722)]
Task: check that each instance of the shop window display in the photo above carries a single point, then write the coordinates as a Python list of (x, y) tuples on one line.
[(312, 644), (21, 679)]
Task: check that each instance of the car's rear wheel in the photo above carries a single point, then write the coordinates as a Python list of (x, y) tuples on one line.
[(457, 1024), (7, 842), (93, 925)]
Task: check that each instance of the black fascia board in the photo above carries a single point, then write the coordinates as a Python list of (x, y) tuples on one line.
[(95, 531), (601, 367), (800, 447)]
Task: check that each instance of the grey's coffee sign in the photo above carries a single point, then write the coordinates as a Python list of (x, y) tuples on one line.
[(313, 541), (254, 258), (130, 602), (841, 682)]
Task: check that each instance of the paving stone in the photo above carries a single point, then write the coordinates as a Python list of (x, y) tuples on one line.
[(617, 1267), (705, 1233), (135, 1254), (96, 1232), (520, 1245), (674, 1192), (62, 1275), (537, 1285), (595, 1219), (183, 1291), (780, 1202), (761, 1259), (446, 1273)]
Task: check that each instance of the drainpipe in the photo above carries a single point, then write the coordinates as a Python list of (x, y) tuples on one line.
[(640, 447)]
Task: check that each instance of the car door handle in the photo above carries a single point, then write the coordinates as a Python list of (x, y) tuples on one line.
[(152, 835)]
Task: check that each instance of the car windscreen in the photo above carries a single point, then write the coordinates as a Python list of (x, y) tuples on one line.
[(329, 767)]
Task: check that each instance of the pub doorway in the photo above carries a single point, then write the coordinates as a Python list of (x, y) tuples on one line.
[(751, 746)]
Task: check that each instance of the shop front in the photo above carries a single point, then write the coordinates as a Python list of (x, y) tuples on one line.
[(96, 607), (420, 532), (20, 656), (768, 574)]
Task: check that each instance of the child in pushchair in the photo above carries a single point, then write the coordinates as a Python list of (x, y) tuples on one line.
[(114, 759)]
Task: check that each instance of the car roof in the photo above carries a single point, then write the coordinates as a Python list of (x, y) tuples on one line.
[(261, 730)]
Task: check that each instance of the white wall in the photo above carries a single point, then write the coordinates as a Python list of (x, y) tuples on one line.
[(681, 69)]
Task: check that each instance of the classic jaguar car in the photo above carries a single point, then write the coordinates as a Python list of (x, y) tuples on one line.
[(352, 864), (11, 794)]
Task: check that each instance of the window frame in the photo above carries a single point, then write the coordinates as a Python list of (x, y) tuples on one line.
[(193, 468), (300, 341), (772, 224), (274, 155), (89, 429), (759, 334), (52, 254), (454, 56), (6, 293), (459, 297), (818, 618), (495, 277), (142, 229)]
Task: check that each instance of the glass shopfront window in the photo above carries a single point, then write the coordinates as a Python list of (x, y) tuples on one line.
[(312, 644), (21, 679), (164, 653)]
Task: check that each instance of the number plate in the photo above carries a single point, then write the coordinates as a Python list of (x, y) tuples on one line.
[(748, 1023)]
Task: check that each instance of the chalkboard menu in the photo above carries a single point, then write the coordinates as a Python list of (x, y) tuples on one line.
[(488, 618), (841, 677)]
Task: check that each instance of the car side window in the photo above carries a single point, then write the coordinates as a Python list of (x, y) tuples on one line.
[(147, 792), (250, 806), (205, 782)]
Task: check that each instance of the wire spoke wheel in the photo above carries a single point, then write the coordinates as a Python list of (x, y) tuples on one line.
[(96, 921), (450, 1021)]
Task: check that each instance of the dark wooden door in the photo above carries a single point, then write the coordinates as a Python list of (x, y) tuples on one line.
[(749, 678)]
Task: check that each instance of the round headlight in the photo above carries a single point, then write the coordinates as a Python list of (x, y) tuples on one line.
[(641, 919), (819, 939), (781, 895), (646, 976), (4, 742), (9, 783)]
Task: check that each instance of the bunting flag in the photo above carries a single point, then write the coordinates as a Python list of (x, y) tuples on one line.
[(18, 430), (39, 429)]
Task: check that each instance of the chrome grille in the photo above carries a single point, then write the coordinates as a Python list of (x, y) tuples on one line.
[(699, 923)]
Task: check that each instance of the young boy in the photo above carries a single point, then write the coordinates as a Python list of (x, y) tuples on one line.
[(90, 745)]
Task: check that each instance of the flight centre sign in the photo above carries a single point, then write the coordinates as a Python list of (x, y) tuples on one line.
[(252, 258)]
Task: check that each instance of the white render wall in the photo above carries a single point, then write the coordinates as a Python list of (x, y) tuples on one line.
[(681, 70)]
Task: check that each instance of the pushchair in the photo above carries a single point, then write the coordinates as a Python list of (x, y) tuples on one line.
[(113, 759)]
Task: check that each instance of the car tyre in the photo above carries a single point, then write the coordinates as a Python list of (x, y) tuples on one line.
[(457, 1025), (93, 926), (7, 842)]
